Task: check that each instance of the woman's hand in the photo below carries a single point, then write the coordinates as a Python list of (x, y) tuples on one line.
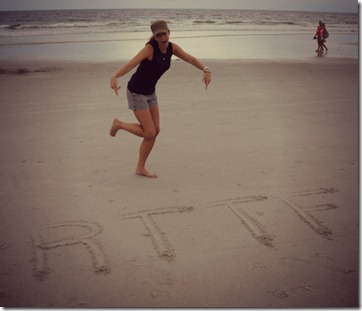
[(206, 79), (114, 85)]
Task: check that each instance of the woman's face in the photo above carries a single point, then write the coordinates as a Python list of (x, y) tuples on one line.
[(162, 39)]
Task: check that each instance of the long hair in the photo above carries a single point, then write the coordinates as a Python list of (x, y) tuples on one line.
[(151, 38)]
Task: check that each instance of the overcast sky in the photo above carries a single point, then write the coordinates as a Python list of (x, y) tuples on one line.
[(293, 5)]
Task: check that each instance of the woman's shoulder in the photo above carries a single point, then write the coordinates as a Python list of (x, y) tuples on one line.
[(175, 46), (147, 52)]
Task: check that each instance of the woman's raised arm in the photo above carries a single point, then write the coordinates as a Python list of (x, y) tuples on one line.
[(180, 53), (146, 52)]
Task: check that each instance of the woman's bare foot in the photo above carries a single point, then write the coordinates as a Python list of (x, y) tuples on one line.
[(116, 126), (144, 172)]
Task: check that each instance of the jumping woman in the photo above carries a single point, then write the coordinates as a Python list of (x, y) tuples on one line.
[(152, 61)]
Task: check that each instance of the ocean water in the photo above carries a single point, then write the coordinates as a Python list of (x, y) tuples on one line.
[(119, 34)]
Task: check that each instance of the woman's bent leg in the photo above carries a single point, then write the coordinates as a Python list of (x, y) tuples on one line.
[(148, 129), (133, 128)]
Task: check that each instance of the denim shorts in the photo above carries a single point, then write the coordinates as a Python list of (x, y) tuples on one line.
[(141, 102)]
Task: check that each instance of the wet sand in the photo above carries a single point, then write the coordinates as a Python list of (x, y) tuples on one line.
[(255, 204)]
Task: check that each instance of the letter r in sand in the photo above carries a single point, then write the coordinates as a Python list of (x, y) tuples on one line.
[(72, 234)]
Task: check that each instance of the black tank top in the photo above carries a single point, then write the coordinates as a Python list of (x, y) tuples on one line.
[(144, 80)]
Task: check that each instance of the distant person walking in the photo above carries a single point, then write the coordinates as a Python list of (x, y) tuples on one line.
[(321, 34), (152, 61), (325, 36)]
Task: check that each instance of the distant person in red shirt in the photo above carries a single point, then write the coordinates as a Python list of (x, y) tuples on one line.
[(320, 35)]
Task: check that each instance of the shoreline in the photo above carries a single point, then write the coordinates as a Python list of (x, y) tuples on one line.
[(234, 46)]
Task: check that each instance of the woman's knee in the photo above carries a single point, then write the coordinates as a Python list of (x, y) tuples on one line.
[(150, 133)]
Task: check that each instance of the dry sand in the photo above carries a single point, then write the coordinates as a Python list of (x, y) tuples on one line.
[(256, 203)]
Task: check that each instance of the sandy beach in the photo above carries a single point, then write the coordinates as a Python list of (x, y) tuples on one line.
[(255, 205)]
